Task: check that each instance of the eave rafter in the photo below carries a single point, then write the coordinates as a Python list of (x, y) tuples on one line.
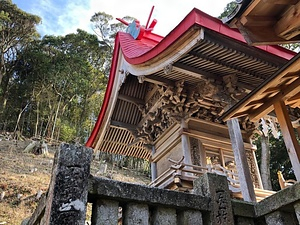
[(236, 69), (286, 92)]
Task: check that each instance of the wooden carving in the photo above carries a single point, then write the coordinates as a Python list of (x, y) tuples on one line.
[(169, 104)]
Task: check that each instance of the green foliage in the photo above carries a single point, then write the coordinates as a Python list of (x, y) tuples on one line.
[(279, 160), (293, 46), (230, 7), (67, 133)]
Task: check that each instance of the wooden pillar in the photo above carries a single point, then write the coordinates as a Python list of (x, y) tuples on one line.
[(289, 136), (246, 183), (153, 166), (185, 144)]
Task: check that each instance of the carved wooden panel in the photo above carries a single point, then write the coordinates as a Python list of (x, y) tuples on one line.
[(252, 167), (195, 151)]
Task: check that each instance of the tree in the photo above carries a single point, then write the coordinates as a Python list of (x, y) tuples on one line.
[(230, 7), (17, 29), (58, 78)]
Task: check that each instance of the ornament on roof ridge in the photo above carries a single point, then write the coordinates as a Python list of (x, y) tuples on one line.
[(137, 30)]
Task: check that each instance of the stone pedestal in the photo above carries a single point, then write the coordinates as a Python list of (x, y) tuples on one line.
[(216, 187)]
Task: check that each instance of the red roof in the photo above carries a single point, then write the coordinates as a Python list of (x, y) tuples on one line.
[(151, 45)]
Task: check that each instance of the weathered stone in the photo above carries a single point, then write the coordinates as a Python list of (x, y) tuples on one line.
[(244, 221), (127, 192), (137, 214), (190, 217), (243, 209), (297, 210), (67, 195), (216, 187), (164, 216), (280, 218), (282, 198), (105, 212)]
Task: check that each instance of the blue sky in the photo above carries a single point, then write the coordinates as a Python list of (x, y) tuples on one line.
[(60, 17)]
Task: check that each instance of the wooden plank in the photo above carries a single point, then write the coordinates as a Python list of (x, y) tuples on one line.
[(289, 136), (241, 160), (289, 24)]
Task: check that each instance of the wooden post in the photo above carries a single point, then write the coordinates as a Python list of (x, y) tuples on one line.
[(289, 136), (153, 166), (185, 144), (246, 183)]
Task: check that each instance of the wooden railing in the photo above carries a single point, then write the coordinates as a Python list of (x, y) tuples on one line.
[(189, 172), (116, 202)]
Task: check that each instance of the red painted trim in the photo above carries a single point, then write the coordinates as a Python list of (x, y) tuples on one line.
[(107, 95), (199, 18)]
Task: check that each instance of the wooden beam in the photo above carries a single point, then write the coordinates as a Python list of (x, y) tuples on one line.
[(294, 99), (159, 80), (267, 107), (188, 72), (259, 35), (240, 158), (289, 136), (120, 125), (254, 21), (126, 98), (194, 70), (289, 24)]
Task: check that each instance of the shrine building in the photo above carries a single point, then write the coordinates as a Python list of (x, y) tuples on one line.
[(186, 101)]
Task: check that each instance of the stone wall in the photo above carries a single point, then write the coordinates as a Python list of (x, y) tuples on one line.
[(115, 202)]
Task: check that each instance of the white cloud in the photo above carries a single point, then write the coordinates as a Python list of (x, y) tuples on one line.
[(62, 17)]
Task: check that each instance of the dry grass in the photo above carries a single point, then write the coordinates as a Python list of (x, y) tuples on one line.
[(22, 175)]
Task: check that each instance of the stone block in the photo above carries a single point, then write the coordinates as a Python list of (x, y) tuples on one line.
[(164, 216), (137, 214), (280, 218), (105, 212), (244, 221), (297, 211), (190, 217)]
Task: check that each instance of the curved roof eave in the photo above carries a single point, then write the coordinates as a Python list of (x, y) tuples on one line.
[(110, 84), (194, 18)]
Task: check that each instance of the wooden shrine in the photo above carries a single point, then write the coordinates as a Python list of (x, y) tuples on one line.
[(166, 97)]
